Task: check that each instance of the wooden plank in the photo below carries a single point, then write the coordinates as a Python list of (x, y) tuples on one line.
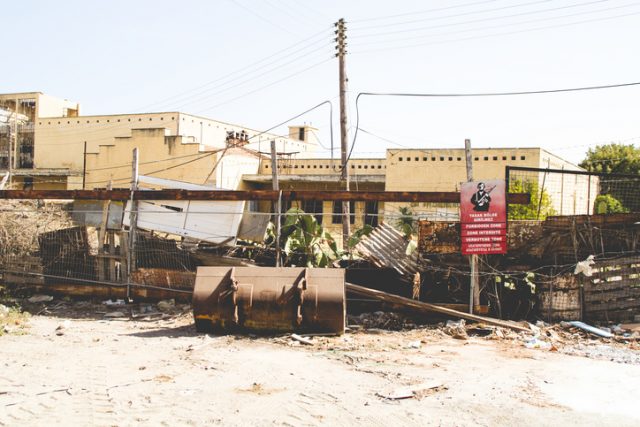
[(430, 308), (613, 285), (612, 295), (613, 306), (176, 194)]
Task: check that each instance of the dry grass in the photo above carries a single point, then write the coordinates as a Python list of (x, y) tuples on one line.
[(21, 221)]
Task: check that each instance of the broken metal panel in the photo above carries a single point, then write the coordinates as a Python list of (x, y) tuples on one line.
[(89, 213), (211, 221), (386, 247), (253, 226), (263, 299)]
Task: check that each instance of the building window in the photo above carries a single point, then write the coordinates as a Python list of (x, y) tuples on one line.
[(417, 159), (371, 214), (408, 159), (476, 158), (522, 157), (433, 159), (424, 159), (450, 159), (459, 159), (495, 157), (301, 134), (336, 218), (504, 157), (441, 159), (313, 207), (513, 157), (486, 158), (399, 159)]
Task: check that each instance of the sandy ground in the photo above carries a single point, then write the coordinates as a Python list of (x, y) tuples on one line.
[(124, 372)]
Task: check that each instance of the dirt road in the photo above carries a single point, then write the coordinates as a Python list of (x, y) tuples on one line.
[(123, 372)]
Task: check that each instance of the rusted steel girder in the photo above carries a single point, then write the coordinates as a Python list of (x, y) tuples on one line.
[(173, 194), (269, 299)]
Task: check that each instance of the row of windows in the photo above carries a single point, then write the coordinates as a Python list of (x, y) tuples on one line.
[(314, 207), (325, 166), (442, 158), (109, 120)]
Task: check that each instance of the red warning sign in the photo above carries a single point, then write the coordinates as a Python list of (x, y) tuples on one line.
[(483, 217)]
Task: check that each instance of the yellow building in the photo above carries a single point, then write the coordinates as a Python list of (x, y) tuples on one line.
[(64, 147), (57, 148), (19, 114)]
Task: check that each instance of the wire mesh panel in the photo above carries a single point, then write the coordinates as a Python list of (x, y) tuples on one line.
[(556, 192)]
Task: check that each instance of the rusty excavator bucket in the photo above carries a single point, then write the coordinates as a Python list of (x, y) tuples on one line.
[(269, 300)]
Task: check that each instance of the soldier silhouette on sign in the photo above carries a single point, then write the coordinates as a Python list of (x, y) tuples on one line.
[(481, 198)]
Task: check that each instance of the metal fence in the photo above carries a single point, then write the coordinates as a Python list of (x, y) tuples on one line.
[(586, 216), (562, 192)]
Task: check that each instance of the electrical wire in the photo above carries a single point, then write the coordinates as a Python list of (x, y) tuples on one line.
[(499, 34), (475, 12), (493, 27), (475, 95), (422, 12)]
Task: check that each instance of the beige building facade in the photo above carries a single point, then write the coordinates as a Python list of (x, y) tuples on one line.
[(54, 147)]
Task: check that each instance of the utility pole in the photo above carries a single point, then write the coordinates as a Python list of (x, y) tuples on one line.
[(278, 203), (344, 143), (474, 282)]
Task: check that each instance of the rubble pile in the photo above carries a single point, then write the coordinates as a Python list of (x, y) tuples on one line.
[(381, 320)]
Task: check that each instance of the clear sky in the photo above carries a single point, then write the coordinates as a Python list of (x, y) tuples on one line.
[(258, 63)]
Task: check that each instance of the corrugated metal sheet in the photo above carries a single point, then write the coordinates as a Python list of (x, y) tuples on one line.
[(386, 247)]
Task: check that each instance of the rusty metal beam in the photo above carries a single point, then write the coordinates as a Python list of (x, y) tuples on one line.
[(173, 194)]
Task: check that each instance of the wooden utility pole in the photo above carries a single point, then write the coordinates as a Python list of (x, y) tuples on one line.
[(344, 143), (133, 219), (277, 204), (474, 282)]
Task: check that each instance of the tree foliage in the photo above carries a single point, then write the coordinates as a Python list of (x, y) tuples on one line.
[(306, 242), (542, 204), (607, 204), (616, 159), (613, 158), (405, 222)]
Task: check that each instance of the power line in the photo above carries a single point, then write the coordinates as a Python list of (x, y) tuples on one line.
[(297, 73), (379, 18), (476, 95), (475, 12), (493, 27), (250, 79), (499, 34)]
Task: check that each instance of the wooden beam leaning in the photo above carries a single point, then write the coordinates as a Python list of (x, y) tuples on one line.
[(173, 194)]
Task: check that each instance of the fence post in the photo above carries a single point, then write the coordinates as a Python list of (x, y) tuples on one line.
[(474, 282), (133, 218), (278, 203)]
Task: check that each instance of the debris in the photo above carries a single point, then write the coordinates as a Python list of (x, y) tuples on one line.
[(114, 314), (584, 267), (456, 329), (40, 298), (167, 305), (429, 308), (536, 342), (62, 327), (4, 310), (417, 391), (117, 302), (593, 330), (301, 339), (413, 344)]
